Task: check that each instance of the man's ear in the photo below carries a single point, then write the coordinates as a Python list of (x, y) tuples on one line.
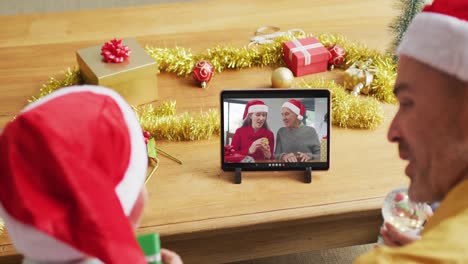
[(137, 211)]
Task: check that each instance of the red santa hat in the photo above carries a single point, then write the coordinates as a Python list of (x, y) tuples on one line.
[(296, 107), (438, 37), (72, 165), (254, 106)]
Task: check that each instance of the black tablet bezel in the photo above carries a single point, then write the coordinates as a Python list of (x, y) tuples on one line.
[(279, 93)]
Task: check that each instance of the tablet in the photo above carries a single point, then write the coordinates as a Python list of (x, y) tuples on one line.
[(275, 129)]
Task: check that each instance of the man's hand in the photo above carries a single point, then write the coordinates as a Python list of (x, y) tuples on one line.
[(302, 157), (393, 237), (289, 157), (169, 257)]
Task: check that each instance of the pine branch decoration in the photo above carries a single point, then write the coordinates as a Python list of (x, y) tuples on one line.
[(409, 9)]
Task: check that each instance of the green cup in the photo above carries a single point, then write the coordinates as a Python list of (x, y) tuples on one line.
[(151, 246)]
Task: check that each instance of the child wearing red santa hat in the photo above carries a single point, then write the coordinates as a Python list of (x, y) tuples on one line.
[(72, 171)]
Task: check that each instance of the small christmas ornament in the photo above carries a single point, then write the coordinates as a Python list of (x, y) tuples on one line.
[(147, 136), (229, 150), (232, 156), (202, 72), (115, 51), (359, 76), (337, 56), (402, 213), (282, 78)]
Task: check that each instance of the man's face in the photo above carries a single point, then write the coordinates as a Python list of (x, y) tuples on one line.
[(430, 129), (289, 118)]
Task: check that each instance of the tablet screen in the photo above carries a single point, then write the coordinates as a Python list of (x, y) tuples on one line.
[(275, 129)]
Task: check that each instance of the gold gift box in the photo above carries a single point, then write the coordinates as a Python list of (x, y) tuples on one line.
[(134, 79)]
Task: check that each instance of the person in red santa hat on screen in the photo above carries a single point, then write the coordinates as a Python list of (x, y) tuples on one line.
[(72, 171), (431, 130), (296, 142), (254, 138)]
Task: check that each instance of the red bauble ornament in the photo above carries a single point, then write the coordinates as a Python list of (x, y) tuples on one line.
[(115, 51), (337, 56), (399, 197), (147, 134), (202, 72)]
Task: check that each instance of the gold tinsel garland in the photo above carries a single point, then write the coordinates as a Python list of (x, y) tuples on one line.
[(348, 110), (71, 77), (181, 61), (382, 85), (163, 123), (355, 112)]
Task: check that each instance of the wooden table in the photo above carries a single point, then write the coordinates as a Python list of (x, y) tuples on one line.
[(195, 207)]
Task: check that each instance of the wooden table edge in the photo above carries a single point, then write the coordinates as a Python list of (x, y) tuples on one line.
[(269, 219)]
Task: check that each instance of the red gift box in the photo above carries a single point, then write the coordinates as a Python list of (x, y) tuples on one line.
[(305, 56)]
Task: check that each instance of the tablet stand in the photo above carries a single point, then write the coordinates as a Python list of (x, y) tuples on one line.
[(238, 176), (308, 175)]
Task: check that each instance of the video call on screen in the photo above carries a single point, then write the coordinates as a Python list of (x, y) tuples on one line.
[(315, 118)]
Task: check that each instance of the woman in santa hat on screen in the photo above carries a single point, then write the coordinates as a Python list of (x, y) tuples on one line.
[(296, 142), (254, 138), (72, 172)]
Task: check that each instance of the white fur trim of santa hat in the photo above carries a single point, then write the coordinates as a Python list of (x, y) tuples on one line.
[(294, 108), (258, 108), (438, 40), (37, 245)]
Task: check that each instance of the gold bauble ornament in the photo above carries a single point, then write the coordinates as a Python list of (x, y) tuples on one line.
[(282, 78)]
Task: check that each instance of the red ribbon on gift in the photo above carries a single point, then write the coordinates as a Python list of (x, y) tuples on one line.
[(304, 49)]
